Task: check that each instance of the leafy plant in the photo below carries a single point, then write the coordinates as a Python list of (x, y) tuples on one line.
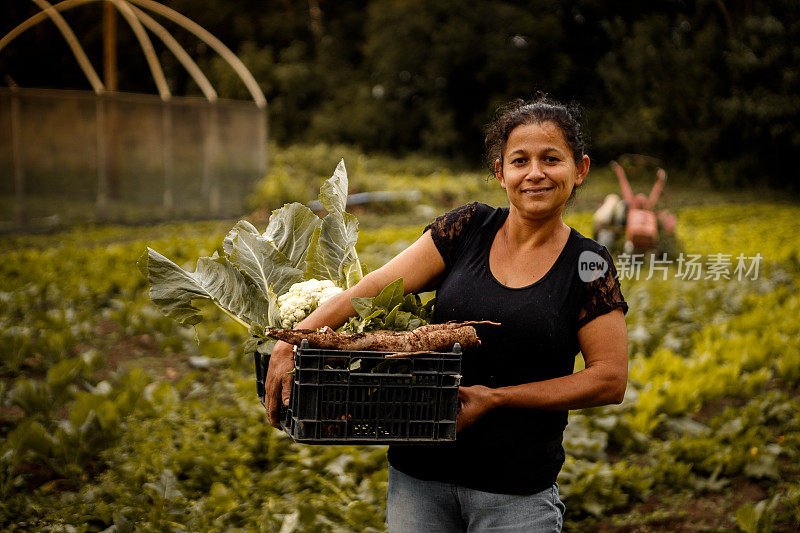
[(254, 269), (759, 517), (390, 310)]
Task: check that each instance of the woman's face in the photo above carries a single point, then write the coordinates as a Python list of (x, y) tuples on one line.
[(538, 170)]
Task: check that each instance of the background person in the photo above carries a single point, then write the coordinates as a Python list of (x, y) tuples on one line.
[(518, 266), (642, 224)]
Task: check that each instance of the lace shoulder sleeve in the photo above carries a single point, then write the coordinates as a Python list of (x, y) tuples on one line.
[(601, 295), (450, 230)]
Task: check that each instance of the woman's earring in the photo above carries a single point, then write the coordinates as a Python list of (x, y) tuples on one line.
[(498, 172)]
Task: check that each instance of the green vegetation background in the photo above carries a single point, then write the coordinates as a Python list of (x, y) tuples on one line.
[(113, 416)]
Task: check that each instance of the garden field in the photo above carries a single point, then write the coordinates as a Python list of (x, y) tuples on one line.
[(115, 418)]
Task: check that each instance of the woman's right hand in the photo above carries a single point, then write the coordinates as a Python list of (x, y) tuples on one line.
[(278, 382)]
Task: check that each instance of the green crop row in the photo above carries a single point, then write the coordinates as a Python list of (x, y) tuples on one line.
[(95, 431)]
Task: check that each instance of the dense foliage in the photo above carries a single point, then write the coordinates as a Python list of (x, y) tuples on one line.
[(113, 414), (708, 86)]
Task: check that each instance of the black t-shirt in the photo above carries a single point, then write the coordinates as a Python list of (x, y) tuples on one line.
[(510, 450)]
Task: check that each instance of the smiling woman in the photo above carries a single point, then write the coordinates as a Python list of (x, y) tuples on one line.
[(536, 163), (519, 266)]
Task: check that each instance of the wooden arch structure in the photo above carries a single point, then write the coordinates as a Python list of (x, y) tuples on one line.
[(132, 11)]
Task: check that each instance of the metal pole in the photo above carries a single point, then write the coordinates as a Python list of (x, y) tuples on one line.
[(261, 155), (205, 186), (109, 46), (20, 215), (110, 81), (210, 177), (169, 170), (102, 173)]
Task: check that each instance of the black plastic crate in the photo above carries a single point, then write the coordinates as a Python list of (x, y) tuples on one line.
[(361, 397)]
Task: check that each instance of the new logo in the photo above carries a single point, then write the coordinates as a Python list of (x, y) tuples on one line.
[(591, 266)]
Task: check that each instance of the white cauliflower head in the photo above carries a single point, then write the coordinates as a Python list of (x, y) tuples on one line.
[(302, 298)]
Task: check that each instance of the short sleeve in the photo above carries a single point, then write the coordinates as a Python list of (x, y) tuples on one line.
[(449, 231), (602, 295)]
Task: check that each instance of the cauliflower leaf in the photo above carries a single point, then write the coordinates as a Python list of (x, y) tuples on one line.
[(256, 269)]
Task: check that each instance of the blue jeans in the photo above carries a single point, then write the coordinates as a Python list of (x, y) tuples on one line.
[(419, 506)]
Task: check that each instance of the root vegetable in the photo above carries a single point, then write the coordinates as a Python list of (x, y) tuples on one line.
[(429, 338)]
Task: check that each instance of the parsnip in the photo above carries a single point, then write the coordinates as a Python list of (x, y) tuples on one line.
[(429, 338)]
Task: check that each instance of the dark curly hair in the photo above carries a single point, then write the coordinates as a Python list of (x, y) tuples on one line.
[(536, 111)]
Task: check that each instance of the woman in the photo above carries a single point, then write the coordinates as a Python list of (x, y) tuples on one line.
[(554, 292)]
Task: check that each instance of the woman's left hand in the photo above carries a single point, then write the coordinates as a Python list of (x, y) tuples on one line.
[(475, 402)]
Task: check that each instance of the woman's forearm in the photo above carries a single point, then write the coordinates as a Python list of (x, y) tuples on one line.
[(604, 345), (419, 265), (590, 387)]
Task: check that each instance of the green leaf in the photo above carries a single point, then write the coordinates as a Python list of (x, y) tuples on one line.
[(390, 296), (376, 313), (84, 409), (222, 499), (389, 310), (274, 316), (415, 322), (391, 318), (402, 320), (30, 436), (362, 306), (165, 488), (63, 374), (746, 518), (254, 255), (759, 517), (371, 322), (173, 290), (332, 252), (397, 319), (429, 305), (332, 248), (241, 226), (333, 193), (291, 229), (412, 303), (108, 416), (30, 396)]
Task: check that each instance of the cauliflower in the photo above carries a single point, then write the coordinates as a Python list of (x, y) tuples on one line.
[(302, 298)]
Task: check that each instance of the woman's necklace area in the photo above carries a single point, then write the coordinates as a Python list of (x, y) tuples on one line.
[(515, 268), (541, 250)]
